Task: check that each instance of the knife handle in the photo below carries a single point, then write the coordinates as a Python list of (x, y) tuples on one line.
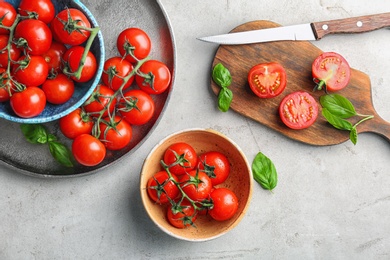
[(351, 25)]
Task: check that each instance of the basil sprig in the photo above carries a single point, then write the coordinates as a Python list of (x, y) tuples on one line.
[(222, 78), (38, 134), (264, 172), (336, 109)]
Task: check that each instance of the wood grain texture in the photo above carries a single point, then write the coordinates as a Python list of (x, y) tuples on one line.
[(296, 57), (352, 25)]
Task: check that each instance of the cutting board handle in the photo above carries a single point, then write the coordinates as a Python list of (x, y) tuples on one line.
[(377, 125)]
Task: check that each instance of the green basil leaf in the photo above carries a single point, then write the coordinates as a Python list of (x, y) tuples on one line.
[(35, 134), (353, 135), (221, 76), (225, 98), (338, 105), (61, 153), (264, 172), (336, 121)]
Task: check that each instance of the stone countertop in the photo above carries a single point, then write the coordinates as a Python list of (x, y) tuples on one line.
[(331, 202)]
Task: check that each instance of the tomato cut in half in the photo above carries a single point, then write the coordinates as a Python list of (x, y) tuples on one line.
[(298, 110), (332, 71), (267, 80)]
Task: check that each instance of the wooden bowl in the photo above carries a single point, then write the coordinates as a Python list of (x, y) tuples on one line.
[(239, 181)]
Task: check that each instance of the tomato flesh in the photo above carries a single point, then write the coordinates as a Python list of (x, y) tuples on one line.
[(267, 80), (331, 70), (298, 110)]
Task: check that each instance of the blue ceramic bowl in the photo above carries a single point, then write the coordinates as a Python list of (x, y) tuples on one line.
[(82, 90)]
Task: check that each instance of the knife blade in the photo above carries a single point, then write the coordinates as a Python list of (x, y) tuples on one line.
[(304, 32)]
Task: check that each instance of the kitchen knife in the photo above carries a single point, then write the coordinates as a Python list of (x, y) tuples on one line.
[(304, 32)]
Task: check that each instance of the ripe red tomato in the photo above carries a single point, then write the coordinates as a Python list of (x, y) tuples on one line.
[(216, 165), (134, 44), (155, 77), (28, 103), (225, 204), (99, 100), (298, 110), (88, 150), (115, 69), (53, 56), (63, 27), (267, 80), (160, 187), (14, 51), (181, 156), (76, 123), (196, 184), (115, 133), (136, 107), (33, 73), (183, 218), (332, 71), (33, 35), (8, 16), (44, 9), (72, 58), (59, 89)]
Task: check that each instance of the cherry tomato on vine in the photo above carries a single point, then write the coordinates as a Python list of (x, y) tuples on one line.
[(298, 110), (216, 165), (99, 100), (225, 204), (115, 69), (8, 15), (182, 155), (160, 187), (134, 44), (155, 78), (115, 133), (196, 184), (33, 35), (6, 86), (59, 89), (332, 71), (28, 103), (53, 56), (33, 72), (183, 218), (88, 150), (136, 107), (72, 58), (64, 26), (14, 51), (76, 123), (44, 9), (267, 80)]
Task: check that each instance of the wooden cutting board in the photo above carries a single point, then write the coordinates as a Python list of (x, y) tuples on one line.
[(297, 58)]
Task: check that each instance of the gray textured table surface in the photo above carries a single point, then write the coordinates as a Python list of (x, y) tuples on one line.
[(330, 203)]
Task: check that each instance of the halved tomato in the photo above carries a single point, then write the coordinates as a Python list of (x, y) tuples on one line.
[(267, 80), (332, 71), (298, 110)]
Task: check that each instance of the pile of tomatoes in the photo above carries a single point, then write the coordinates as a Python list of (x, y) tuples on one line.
[(104, 122), (299, 110), (41, 55), (188, 185)]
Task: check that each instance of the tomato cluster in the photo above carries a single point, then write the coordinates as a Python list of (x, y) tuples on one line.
[(299, 109), (41, 55), (105, 121), (188, 185)]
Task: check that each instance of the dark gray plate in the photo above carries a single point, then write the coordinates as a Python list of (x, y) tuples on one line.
[(112, 17)]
